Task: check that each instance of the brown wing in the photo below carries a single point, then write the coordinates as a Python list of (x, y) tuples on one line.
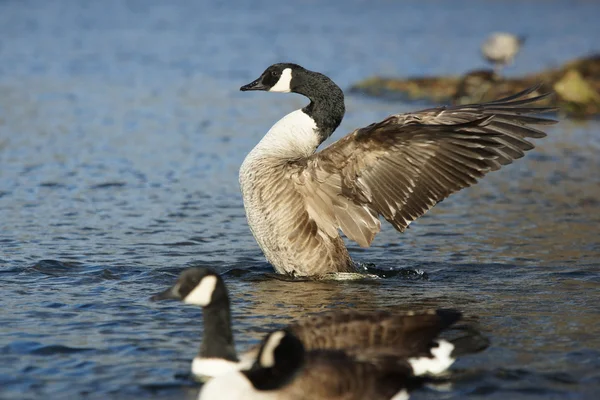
[(401, 334), (401, 167), (407, 335)]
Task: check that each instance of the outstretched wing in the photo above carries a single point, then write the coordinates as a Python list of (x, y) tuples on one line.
[(404, 165)]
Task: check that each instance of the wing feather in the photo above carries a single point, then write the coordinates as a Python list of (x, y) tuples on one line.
[(402, 166)]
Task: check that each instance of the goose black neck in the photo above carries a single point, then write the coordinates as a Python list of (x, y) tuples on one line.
[(217, 339), (326, 106)]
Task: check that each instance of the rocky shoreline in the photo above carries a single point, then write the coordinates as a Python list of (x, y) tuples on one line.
[(576, 84)]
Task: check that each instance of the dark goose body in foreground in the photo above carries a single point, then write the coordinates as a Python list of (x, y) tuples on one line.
[(285, 369), (408, 336), (297, 200), (332, 355)]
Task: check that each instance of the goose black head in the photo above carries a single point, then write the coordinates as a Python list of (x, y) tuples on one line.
[(282, 78), (326, 106), (198, 286), (281, 355)]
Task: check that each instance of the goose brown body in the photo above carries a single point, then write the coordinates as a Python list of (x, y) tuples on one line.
[(336, 375), (324, 375), (402, 334)]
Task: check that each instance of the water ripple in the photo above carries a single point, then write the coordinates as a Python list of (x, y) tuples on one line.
[(121, 134)]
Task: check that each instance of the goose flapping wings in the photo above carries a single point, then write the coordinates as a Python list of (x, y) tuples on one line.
[(401, 167)]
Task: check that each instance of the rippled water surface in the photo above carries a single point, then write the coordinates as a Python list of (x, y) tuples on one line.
[(121, 134)]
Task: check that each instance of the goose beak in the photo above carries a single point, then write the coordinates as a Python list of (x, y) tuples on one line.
[(254, 85), (168, 294)]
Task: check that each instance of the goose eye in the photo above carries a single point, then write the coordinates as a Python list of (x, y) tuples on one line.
[(274, 73)]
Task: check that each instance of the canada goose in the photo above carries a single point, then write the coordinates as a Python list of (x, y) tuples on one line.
[(401, 335), (297, 200), (205, 288), (500, 49), (285, 370)]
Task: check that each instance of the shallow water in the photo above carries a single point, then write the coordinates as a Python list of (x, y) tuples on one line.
[(121, 133)]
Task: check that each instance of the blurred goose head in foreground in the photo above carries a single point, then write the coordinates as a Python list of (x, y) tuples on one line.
[(298, 201)]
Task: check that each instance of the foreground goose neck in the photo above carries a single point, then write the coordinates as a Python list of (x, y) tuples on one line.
[(217, 338)]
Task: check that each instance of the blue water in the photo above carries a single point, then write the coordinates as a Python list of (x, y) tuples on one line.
[(121, 133)]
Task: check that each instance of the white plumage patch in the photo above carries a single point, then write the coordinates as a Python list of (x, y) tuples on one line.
[(205, 368), (283, 84), (401, 395), (293, 135), (247, 359), (233, 386), (202, 293), (437, 364), (267, 357)]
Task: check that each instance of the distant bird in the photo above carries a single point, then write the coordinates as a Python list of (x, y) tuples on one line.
[(500, 49), (297, 201), (408, 338)]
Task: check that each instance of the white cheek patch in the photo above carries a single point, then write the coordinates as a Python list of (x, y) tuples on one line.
[(202, 294), (267, 358), (283, 84)]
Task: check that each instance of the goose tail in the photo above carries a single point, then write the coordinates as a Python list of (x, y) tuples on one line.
[(468, 341)]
